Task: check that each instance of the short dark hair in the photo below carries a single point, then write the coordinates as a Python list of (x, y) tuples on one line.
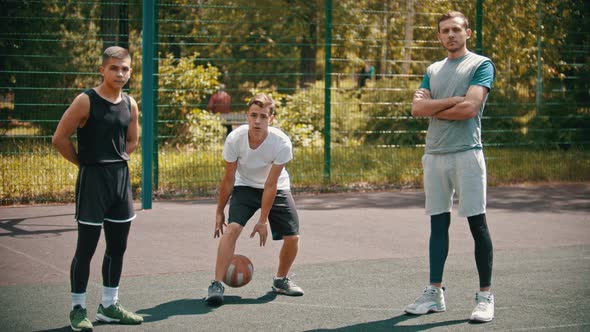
[(262, 100), (453, 14), (116, 52)]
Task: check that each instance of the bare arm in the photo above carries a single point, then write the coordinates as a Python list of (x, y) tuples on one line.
[(225, 189), (270, 191), (133, 128), (423, 105), (268, 197), (74, 117), (468, 108)]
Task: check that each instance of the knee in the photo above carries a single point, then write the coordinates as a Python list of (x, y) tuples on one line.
[(84, 254), (232, 232), (116, 251), (291, 240)]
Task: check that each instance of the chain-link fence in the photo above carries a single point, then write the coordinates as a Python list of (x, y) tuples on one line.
[(536, 126)]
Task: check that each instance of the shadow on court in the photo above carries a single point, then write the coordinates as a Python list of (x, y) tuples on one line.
[(190, 307), (10, 227), (391, 324)]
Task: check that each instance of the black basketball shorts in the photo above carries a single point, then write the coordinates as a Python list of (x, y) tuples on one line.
[(103, 193), (283, 219)]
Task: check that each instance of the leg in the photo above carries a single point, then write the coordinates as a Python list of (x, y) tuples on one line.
[(225, 253), (438, 246), (282, 283), (484, 299), (284, 224), (287, 255), (484, 251), (80, 268), (432, 299), (116, 235), (79, 272), (110, 310), (226, 249), (243, 204)]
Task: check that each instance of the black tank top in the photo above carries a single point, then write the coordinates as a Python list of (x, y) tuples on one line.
[(103, 139)]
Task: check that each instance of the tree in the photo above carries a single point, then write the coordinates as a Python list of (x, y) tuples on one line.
[(47, 55)]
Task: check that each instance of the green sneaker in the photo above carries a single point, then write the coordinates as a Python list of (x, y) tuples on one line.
[(78, 319), (117, 314)]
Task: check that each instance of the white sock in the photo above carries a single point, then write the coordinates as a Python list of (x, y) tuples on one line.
[(79, 299), (110, 296)]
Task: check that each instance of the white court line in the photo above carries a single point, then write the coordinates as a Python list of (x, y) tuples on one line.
[(336, 307), (456, 309), (533, 328), (53, 267), (254, 294)]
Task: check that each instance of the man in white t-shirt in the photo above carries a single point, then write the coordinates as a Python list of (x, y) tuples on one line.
[(255, 178)]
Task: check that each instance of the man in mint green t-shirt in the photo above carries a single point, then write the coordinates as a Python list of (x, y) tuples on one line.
[(453, 94)]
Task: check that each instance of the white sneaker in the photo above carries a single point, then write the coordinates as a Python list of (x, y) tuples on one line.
[(484, 309), (432, 300)]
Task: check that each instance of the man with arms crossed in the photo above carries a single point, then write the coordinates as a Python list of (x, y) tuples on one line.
[(453, 95)]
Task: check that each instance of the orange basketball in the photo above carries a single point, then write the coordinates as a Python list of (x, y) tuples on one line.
[(239, 272)]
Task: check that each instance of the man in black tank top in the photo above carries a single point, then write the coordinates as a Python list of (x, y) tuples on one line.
[(106, 122)]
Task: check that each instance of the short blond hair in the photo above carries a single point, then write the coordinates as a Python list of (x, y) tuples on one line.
[(116, 52), (263, 101)]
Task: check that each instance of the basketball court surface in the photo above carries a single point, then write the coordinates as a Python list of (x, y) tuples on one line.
[(363, 258)]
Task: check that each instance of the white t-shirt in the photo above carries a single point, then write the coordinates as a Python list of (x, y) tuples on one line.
[(254, 165)]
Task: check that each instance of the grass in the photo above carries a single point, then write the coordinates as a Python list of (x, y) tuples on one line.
[(40, 175)]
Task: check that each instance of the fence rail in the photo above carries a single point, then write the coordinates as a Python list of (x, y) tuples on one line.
[(344, 73)]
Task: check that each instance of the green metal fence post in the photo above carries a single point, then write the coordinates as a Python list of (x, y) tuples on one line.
[(327, 91), (156, 97), (539, 95), (479, 27), (147, 102)]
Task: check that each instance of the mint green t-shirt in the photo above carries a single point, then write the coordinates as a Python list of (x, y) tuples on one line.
[(450, 78)]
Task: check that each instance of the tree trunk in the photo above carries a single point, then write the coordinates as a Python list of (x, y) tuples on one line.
[(409, 36), (308, 56), (384, 67)]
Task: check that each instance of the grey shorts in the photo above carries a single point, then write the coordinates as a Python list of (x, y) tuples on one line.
[(283, 218), (103, 192), (463, 173)]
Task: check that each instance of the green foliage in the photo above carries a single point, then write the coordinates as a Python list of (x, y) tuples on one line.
[(300, 119), (44, 176), (51, 51), (204, 130), (301, 115), (387, 105), (184, 85), (40, 70)]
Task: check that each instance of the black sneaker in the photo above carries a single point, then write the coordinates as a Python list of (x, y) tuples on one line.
[(215, 293), (286, 286)]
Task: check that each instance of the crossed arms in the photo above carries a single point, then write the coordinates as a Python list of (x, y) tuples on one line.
[(452, 108)]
